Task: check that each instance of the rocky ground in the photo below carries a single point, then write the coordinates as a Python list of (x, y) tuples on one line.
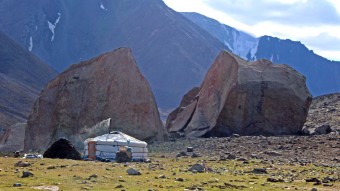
[(325, 110), (321, 150), (309, 163), (234, 163)]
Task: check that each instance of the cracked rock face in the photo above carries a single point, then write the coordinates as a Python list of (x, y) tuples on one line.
[(246, 98), (108, 86)]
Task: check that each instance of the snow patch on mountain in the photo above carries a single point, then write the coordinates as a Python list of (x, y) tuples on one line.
[(243, 43), (52, 26), (102, 6), (57, 21), (31, 44), (228, 45), (238, 42), (271, 58), (253, 52)]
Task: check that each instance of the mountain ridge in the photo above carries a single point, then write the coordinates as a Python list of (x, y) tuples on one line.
[(323, 75), (172, 52)]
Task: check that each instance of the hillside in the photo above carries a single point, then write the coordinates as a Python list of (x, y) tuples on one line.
[(172, 52), (22, 76)]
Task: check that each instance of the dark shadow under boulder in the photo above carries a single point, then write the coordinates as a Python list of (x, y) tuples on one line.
[(62, 149)]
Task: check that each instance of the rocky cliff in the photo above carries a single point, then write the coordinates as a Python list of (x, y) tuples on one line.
[(108, 86), (247, 98)]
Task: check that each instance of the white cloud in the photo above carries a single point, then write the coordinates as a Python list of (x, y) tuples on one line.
[(308, 21), (325, 40), (305, 13)]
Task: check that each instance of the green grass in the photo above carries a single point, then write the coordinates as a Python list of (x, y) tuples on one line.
[(230, 175)]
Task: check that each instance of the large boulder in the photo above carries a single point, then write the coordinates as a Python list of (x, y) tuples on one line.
[(108, 86), (186, 100), (246, 98)]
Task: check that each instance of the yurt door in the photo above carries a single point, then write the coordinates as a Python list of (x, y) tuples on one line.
[(92, 150)]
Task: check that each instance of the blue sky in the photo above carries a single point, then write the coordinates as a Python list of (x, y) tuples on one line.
[(316, 23)]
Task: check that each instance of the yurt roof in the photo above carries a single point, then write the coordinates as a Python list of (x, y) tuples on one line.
[(116, 137)]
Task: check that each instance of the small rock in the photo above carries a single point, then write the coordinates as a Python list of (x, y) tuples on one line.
[(274, 180), (22, 164), (119, 186), (231, 157), (17, 185), (305, 131), (195, 155), (312, 180), (235, 136), (197, 168), (93, 176), (323, 129), (327, 184), (260, 171), (179, 179), (314, 189), (26, 174), (254, 156), (325, 180), (272, 153), (190, 149), (162, 176), (242, 159), (181, 154), (222, 158), (132, 171), (328, 180), (51, 167)]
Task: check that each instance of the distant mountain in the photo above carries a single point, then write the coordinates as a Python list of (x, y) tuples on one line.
[(323, 76), (22, 76), (172, 52), (237, 41)]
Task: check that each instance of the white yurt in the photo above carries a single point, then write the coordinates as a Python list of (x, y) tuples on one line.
[(106, 146)]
